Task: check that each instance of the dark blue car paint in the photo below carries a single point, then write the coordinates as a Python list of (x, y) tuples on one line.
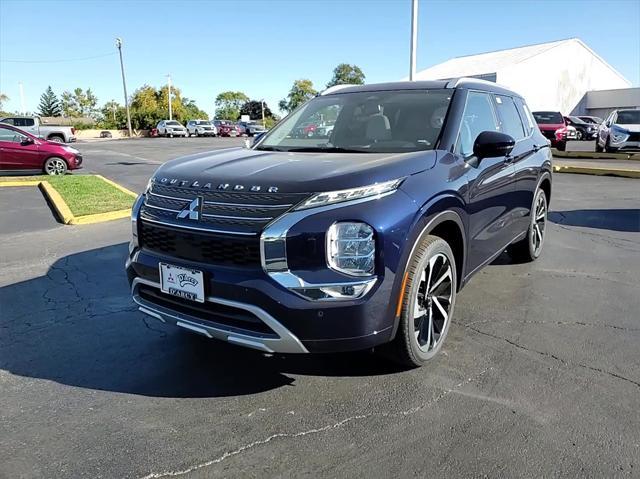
[(488, 201)]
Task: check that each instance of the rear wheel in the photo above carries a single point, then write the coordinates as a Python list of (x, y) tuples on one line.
[(561, 146), (530, 247), (55, 166), (598, 147), (427, 302), (56, 139)]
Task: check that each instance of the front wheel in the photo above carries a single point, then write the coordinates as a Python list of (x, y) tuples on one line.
[(579, 135), (55, 166), (529, 248), (427, 302), (561, 146), (598, 147)]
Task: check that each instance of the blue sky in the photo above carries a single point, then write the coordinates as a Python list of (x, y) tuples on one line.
[(262, 46)]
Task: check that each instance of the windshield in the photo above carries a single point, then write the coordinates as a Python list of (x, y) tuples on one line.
[(202, 122), (548, 117), (173, 123), (628, 117), (367, 122), (576, 120)]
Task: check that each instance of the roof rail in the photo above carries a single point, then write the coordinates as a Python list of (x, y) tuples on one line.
[(335, 88)]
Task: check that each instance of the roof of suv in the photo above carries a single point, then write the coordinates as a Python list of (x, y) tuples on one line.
[(455, 83)]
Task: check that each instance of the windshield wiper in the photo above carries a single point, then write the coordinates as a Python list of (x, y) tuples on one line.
[(326, 149)]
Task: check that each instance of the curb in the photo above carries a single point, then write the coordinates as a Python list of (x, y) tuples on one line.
[(61, 207), (63, 211), (594, 155), (591, 170), (117, 186)]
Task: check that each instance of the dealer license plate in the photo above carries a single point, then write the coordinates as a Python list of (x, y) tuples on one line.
[(182, 282)]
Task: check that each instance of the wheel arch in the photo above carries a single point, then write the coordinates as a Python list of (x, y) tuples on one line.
[(449, 224)]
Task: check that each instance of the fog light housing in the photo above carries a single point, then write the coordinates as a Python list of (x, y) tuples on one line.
[(351, 248)]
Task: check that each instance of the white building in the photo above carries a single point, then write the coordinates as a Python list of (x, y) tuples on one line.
[(550, 76)]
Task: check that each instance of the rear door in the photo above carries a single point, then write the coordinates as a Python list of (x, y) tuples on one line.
[(16, 156), (515, 122), (490, 184)]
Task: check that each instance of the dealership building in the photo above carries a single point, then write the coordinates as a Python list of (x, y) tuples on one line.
[(565, 76)]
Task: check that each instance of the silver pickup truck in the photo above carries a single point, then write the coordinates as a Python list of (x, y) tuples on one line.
[(32, 124)]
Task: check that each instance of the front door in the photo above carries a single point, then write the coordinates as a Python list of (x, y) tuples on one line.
[(15, 154), (490, 184)]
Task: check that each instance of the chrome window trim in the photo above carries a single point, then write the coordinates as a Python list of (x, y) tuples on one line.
[(248, 218)]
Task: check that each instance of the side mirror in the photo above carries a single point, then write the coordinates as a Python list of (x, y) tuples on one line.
[(491, 144), (257, 138), (27, 141)]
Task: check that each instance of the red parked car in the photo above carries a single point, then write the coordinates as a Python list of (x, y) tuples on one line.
[(226, 128), (21, 152), (554, 127)]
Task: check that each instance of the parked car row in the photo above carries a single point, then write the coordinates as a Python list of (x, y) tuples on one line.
[(555, 128), (620, 131), (171, 128)]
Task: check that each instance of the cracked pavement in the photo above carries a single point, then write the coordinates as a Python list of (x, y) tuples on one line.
[(539, 376)]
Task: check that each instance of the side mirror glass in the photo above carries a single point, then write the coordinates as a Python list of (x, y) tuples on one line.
[(491, 144)]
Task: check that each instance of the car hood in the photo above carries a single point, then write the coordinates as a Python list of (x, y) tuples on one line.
[(291, 172), (634, 128)]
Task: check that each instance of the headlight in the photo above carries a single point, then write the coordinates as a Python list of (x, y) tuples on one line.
[(331, 197), (351, 248), (618, 136), (71, 150)]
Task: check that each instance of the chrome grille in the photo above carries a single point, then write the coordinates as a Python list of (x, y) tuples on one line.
[(244, 213)]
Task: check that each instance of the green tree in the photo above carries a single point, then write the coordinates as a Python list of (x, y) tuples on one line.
[(345, 74), (228, 104), (49, 104), (301, 91), (192, 112), (253, 108), (114, 116), (3, 98), (79, 103)]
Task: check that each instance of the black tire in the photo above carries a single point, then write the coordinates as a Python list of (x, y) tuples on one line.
[(579, 136), (56, 138), (561, 146), (598, 147), (55, 166), (530, 248), (607, 147), (431, 254)]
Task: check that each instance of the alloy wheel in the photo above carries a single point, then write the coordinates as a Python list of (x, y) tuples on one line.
[(56, 167), (539, 223), (432, 305)]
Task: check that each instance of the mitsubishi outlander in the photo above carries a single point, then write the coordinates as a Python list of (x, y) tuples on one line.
[(357, 237)]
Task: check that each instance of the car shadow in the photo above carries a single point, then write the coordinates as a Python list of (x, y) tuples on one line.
[(77, 325), (625, 220)]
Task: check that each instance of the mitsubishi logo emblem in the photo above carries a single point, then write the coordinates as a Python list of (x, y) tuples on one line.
[(192, 210)]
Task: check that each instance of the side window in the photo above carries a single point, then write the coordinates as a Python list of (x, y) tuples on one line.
[(9, 121), (28, 122), (9, 135), (510, 121), (527, 117), (478, 117)]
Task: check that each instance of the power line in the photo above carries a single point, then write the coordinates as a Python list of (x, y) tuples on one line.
[(60, 61)]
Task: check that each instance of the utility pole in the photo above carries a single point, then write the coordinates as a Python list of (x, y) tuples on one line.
[(262, 107), (124, 87), (169, 85), (414, 39), (22, 107)]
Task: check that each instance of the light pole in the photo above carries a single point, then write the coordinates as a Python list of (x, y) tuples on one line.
[(414, 39), (262, 108), (124, 87), (22, 107), (169, 85)]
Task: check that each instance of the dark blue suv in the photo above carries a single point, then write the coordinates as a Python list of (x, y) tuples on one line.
[(357, 235)]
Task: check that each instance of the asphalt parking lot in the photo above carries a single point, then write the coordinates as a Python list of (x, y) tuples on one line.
[(540, 374)]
